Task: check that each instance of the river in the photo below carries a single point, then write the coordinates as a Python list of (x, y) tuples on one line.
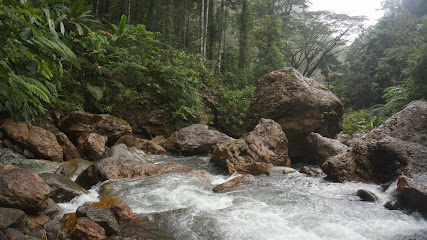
[(291, 206)]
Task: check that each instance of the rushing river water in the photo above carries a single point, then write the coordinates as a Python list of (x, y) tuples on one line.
[(291, 206)]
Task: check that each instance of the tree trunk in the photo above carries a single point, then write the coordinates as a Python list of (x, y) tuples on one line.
[(213, 33), (243, 37), (206, 28), (220, 35), (124, 8), (128, 10), (202, 25), (107, 9), (150, 15)]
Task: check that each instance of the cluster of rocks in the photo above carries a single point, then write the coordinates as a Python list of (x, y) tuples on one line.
[(291, 117)]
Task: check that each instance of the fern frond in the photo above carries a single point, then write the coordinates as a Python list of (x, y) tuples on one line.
[(95, 91)]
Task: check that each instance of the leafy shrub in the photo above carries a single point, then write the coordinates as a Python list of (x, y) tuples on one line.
[(360, 121)]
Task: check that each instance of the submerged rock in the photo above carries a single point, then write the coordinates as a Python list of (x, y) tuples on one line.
[(39, 141), (299, 104), (234, 184), (22, 189), (197, 139), (398, 146), (265, 146), (366, 195), (277, 170)]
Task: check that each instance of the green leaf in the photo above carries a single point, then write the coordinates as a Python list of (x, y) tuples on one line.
[(4, 72), (61, 25), (75, 8), (95, 91), (27, 34), (122, 26), (1, 54), (79, 29)]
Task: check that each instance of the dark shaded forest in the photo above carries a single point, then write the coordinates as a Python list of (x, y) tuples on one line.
[(188, 60)]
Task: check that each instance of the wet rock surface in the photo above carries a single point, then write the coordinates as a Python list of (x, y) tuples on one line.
[(39, 141), (11, 217), (299, 104), (142, 144), (92, 145), (22, 189), (265, 146), (234, 184), (62, 188), (73, 168), (397, 146)]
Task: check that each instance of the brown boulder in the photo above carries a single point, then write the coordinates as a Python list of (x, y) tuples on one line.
[(265, 146), (88, 230), (22, 189), (77, 123), (397, 146), (62, 188), (299, 104), (234, 184), (145, 145), (11, 217), (39, 141), (143, 229), (412, 193), (197, 139), (70, 151), (123, 164), (92, 145)]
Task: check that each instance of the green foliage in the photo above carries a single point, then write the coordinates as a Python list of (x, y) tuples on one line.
[(233, 106), (360, 121), (30, 56)]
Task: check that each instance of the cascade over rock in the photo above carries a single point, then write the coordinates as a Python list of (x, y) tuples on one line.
[(299, 104), (265, 146), (398, 146)]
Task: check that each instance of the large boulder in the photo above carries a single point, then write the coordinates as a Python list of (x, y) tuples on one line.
[(87, 229), (77, 123), (299, 104), (124, 165), (265, 146), (39, 141), (398, 146), (62, 188), (119, 208), (92, 145), (197, 139), (22, 189), (102, 216)]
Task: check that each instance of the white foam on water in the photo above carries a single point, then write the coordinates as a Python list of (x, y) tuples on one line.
[(71, 206)]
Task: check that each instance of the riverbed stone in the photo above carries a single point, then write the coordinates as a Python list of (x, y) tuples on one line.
[(119, 208), (277, 170), (265, 146), (62, 188), (102, 216), (398, 146), (197, 139), (11, 217), (77, 123), (70, 151), (87, 229), (323, 148), (36, 139), (92, 145), (73, 168), (123, 164), (412, 193), (143, 144), (309, 171), (299, 104), (366, 195), (22, 189)]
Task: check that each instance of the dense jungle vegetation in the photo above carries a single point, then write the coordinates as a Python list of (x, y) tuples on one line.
[(181, 56)]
